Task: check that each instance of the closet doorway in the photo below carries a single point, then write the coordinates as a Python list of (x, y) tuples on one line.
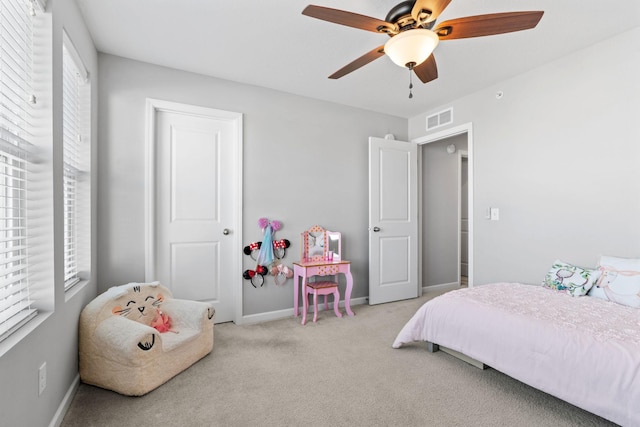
[(446, 221)]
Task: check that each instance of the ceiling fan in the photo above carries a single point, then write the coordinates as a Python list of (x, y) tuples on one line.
[(410, 23)]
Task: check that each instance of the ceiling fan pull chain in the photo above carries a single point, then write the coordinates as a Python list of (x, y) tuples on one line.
[(410, 83)]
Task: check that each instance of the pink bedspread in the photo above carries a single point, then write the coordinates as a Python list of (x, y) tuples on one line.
[(581, 349)]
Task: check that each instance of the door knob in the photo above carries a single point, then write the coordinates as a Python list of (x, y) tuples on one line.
[(226, 231), (376, 229)]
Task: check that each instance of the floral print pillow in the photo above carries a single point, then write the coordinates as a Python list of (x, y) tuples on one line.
[(568, 278)]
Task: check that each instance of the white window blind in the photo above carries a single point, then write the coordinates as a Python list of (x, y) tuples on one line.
[(74, 110), (40, 4), (16, 103)]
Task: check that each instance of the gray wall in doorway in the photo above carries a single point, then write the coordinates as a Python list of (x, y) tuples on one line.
[(440, 211)]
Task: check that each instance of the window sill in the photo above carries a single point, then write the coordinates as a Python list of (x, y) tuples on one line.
[(75, 289), (14, 339)]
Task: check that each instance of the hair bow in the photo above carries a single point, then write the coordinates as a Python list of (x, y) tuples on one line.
[(281, 244), (264, 222)]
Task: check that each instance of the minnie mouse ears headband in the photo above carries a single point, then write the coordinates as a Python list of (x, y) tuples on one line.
[(281, 273), (251, 248), (279, 248), (256, 276)]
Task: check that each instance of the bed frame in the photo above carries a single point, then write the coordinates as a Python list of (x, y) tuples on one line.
[(432, 348)]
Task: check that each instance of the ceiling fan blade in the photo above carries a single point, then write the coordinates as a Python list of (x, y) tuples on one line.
[(349, 19), (428, 70), (435, 6), (362, 61), (487, 25)]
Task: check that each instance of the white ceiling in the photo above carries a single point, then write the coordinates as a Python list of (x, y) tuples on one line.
[(271, 44)]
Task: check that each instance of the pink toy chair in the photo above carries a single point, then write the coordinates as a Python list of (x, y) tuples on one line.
[(320, 288)]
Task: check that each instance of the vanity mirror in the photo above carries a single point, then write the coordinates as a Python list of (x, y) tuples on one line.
[(334, 246), (319, 244)]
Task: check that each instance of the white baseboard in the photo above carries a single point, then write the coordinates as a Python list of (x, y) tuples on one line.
[(56, 421), (441, 287), (281, 314)]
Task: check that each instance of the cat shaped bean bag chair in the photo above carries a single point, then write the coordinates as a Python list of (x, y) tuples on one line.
[(135, 337)]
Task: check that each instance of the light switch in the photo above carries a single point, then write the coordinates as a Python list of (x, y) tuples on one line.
[(495, 214)]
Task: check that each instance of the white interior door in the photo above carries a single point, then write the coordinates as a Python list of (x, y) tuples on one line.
[(196, 227), (393, 220)]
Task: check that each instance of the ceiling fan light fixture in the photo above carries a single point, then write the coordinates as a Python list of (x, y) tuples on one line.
[(411, 46)]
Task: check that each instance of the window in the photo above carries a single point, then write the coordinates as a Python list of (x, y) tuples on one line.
[(76, 160), (16, 154)]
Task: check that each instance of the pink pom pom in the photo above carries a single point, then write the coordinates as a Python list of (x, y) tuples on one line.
[(263, 222), (276, 225)]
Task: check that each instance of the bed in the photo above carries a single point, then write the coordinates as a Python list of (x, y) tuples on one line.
[(584, 350)]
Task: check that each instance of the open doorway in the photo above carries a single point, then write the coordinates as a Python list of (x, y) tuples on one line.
[(463, 206), (446, 219)]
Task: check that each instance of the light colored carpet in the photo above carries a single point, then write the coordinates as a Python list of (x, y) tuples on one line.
[(338, 372)]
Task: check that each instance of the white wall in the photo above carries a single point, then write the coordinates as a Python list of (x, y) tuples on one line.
[(558, 154), (305, 163), (55, 339)]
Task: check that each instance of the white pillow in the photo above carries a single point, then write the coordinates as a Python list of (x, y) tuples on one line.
[(619, 282), (568, 278)]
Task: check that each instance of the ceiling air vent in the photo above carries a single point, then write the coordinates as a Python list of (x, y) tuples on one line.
[(440, 119)]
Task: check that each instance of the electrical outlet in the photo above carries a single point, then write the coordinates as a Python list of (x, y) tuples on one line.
[(42, 378)]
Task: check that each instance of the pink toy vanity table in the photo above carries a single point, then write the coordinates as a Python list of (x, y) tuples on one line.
[(306, 269)]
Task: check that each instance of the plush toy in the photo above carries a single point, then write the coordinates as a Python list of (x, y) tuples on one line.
[(162, 322)]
